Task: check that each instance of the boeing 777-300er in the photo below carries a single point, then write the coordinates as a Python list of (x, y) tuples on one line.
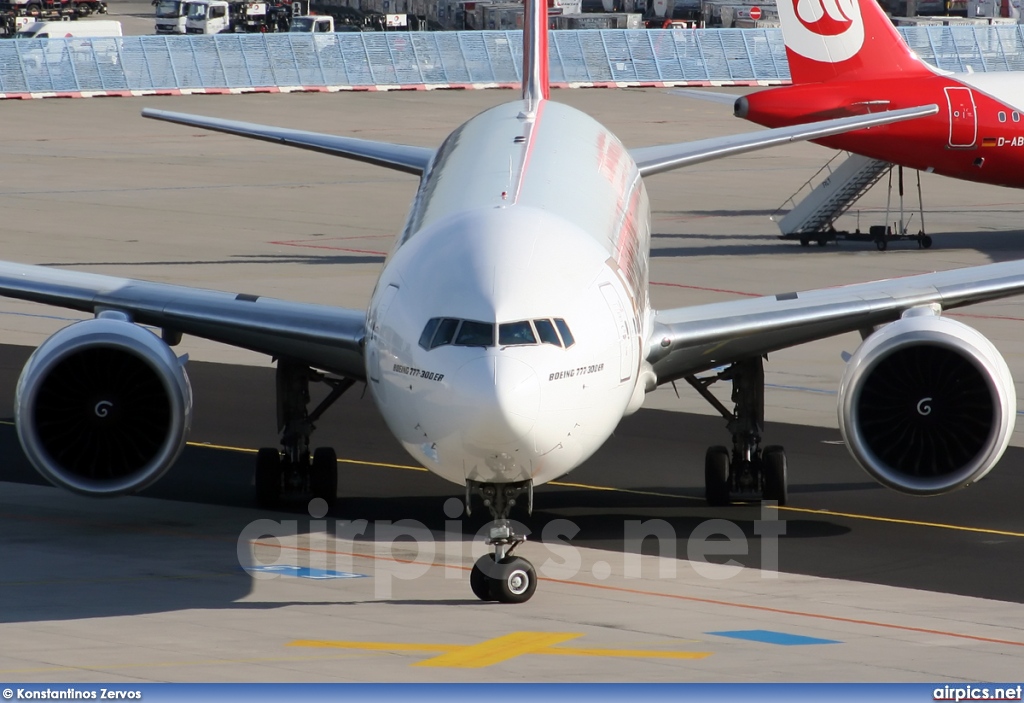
[(511, 330), (846, 58)]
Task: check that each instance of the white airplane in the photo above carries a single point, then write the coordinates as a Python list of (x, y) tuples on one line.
[(511, 330)]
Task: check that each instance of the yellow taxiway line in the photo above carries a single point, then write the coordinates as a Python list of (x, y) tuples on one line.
[(683, 497), (658, 494)]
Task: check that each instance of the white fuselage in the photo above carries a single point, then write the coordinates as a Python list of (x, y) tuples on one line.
[(528, 222)]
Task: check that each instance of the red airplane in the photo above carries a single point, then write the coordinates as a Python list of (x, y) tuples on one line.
[(846, 58)]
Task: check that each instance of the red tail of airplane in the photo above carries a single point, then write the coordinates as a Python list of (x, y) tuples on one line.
[(844, 39)]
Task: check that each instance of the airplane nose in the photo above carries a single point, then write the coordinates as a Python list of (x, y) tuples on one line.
[(741, 108), (501, 400)]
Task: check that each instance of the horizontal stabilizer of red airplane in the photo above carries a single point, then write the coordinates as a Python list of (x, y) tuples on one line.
[(843, 39)]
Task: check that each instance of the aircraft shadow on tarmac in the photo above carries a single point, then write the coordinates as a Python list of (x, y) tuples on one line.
[(654, 461), (275, 259), (997, 246)]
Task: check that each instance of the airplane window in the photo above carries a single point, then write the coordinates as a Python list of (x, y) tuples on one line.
[(428, 332), (445, 332), (1002, 117), (566, 334), (1015, 116), (546, 332), (475, 334), (512, 333)]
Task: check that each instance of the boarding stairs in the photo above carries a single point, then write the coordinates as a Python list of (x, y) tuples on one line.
[(827, 195)]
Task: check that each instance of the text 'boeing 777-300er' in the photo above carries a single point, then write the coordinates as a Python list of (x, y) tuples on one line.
[(515, 365)]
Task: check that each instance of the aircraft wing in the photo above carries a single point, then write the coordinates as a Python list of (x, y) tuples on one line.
[(321, 336), (400, 157), (655, 159), (687, 340), (706, 96)]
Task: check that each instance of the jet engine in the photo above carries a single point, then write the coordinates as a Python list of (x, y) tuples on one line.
[(103, 407), (926, 404)]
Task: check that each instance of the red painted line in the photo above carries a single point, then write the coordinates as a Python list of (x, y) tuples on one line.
[(675, 596), (985, 317), (582, 584), (304, 244), (372, 88), (796, 613), (713, 290)]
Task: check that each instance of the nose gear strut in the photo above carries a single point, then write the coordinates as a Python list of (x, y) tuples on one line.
[(500, 576)]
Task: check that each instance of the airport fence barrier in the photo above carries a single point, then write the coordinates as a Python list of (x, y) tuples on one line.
[(139, 65)]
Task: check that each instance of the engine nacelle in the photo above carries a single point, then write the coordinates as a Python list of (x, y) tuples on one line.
[(103, 407), (927, 404)]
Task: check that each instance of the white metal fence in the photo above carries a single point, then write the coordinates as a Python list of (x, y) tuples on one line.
[(439, 59)]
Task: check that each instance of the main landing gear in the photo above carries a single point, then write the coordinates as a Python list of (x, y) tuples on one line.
[(292, 472), (747, 472), (500, 576)]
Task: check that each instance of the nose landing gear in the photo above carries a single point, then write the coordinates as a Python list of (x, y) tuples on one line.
[(500, 576), (746, 472)]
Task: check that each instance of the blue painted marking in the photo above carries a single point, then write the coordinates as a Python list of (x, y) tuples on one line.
[(769, 637), (305, 572)]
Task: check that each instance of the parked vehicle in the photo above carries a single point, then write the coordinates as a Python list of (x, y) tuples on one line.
[(217, 16), (171, 16), (48, 29), (311, 23)]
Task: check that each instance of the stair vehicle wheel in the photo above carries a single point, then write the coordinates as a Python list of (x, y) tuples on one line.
[(514, 582), (324, 474), (805, 242), (822, 242), (881, 243), (926, 242), (479, 581), (268, 478), (716, 476), (773, 466)]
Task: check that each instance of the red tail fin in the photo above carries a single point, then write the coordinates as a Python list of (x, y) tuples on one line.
[(844, 39), (535, 51)]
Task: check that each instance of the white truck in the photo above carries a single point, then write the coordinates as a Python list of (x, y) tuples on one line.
[(171, 16), (59, 30), (217, 16), (311, 23)]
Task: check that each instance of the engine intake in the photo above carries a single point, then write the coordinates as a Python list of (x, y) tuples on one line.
[(103, 407), (927, 404)]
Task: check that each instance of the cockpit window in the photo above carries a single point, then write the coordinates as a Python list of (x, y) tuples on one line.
[(475, 334), (428, 332), (563, 329), (512, 333), (441, 331), (445, 332), (546, 332)]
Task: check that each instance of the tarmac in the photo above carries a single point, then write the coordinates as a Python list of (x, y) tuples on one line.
[(865, 584)]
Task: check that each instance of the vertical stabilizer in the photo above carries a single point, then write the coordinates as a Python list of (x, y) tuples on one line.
[(535, 51), (843, 39)]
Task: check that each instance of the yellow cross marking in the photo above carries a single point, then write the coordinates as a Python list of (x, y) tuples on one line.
[(499, 649)]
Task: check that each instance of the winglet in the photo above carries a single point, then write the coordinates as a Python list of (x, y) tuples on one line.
[(535, 52), (843, 39)]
